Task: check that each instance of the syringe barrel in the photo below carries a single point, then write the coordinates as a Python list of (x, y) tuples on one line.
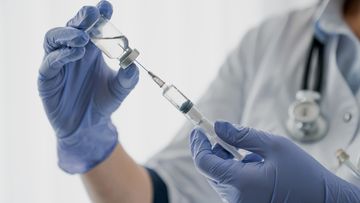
[(198, 119), (184, 105), (177, 98)]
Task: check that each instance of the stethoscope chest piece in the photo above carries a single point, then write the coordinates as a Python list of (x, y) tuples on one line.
[(305, 122)]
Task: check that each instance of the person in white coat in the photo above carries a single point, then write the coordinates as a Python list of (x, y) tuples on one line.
[(255, 87)]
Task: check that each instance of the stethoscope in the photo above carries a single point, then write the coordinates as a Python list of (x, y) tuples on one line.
[(306, 122)]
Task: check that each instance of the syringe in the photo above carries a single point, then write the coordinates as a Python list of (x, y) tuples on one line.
[(116, 46), (185, 106)]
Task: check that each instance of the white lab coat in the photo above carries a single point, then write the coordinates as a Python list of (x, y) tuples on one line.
[(254, 88)]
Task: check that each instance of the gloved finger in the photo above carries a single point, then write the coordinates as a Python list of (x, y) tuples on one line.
[(85, 18), (205, 160), (245, 138), (54, 61), (64, 37), (213, 183), (105, 9), (219, 151), (252, 158), (125, 81)]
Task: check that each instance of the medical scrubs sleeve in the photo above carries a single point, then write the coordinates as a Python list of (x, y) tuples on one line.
[(160, 193)]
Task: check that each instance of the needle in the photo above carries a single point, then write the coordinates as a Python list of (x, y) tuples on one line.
[(141, 65), (155, 78)]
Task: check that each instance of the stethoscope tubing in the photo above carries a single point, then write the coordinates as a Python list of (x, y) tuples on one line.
[(318, 46)]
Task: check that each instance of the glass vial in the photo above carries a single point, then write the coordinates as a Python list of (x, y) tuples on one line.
[(112, 42)]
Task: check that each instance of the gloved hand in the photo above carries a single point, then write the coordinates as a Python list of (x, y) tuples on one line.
[(80, 92), (287, 174)]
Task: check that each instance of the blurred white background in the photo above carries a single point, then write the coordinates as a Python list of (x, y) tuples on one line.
[(184, 41)]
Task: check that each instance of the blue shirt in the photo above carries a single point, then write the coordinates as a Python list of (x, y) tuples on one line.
[(331, 24)]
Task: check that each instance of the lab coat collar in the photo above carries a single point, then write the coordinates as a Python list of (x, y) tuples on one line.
[(329, 20)]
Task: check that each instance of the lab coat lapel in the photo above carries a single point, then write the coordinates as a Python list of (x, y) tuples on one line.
[(337, 101), (354, 152)]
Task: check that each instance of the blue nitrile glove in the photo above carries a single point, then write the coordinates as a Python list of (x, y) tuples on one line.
[(80, 92), (287, 174)]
